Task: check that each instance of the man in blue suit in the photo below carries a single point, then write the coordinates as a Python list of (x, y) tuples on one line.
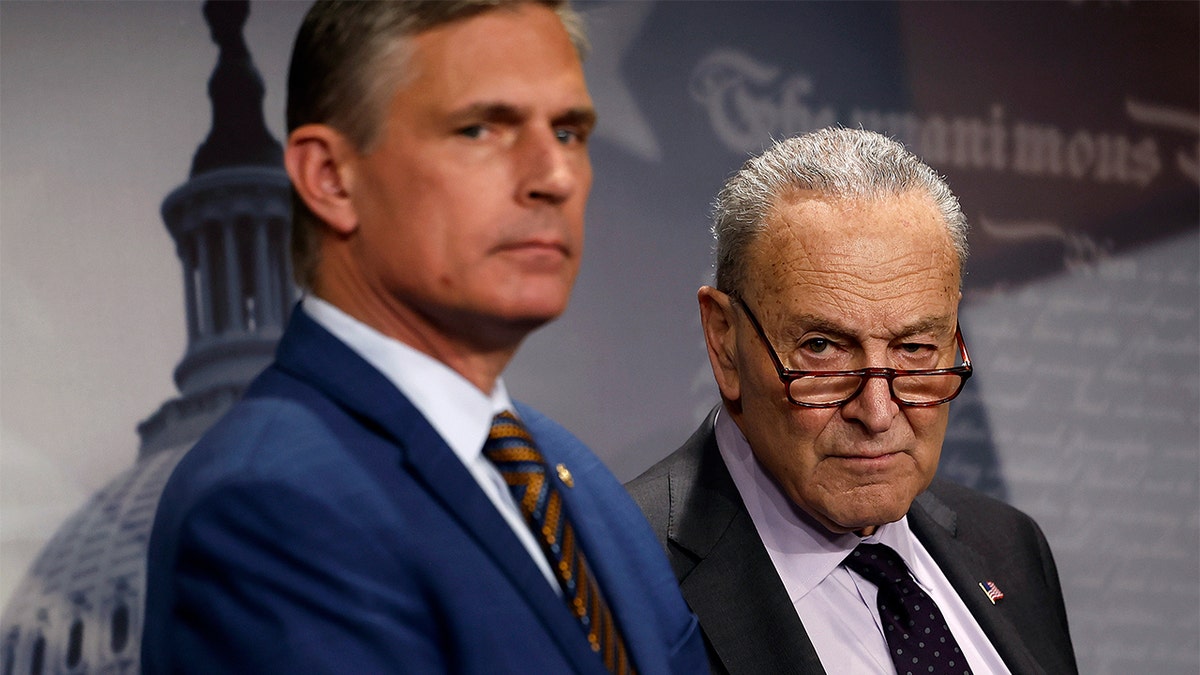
[(347, 515)]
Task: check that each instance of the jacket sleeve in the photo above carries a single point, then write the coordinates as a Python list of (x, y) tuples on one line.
[(269, 579)]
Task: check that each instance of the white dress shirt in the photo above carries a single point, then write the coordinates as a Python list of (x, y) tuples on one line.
[(457, 410), (836, 605)]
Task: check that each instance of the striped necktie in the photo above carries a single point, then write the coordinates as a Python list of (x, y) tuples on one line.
[(511, 449), (918, 638)]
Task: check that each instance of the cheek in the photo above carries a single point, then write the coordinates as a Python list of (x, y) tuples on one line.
[(574, 228), (929, 430), (791, 440)]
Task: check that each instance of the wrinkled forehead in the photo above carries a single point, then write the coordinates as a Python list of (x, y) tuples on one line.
[(855, 250)]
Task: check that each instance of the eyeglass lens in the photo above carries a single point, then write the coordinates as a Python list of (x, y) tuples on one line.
[(925, 388)]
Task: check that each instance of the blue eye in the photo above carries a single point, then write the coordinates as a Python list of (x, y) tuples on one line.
[(473, 131), (569, 135)]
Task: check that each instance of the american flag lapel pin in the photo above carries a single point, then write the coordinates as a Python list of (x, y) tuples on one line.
[(991, 590)]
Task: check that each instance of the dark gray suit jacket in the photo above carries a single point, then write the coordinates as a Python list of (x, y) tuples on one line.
[(750, 625)]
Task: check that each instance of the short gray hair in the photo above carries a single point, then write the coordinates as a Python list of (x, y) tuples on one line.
[(843, 163), (347, 63)]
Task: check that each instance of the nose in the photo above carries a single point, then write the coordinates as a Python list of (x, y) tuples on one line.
[(874, 406), (552, 172)]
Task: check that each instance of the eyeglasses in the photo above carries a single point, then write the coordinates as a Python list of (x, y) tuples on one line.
[(835, 388)]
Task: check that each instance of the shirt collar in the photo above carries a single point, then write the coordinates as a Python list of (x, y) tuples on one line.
[(457, 410)]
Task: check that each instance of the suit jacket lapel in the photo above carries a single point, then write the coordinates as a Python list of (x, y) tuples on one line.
[(311, 353), (593, 512), (732, 586), (934, 524)]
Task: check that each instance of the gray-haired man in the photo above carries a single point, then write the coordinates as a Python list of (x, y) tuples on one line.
[(803, 519)]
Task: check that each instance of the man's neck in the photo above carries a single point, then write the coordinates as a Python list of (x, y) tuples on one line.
[(479, 362)]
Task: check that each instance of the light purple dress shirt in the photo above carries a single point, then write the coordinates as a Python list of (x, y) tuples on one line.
[(837, 606)]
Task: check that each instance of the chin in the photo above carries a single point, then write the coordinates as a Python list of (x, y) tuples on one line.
[(871, 510), (536, 305), (526, 319)]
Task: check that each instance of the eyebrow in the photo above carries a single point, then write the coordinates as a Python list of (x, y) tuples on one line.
[(506, 113), (807, 322), (939, 324), (492, 112), (578, 117)]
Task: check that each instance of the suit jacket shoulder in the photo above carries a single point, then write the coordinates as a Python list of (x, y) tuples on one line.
[(725, 574), (975, 539)]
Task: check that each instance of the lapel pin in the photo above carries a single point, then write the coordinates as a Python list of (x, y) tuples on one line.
[(564, 474), (991, 590)]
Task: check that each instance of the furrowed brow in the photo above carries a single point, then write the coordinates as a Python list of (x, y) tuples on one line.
[(933, 324), (802, 323)]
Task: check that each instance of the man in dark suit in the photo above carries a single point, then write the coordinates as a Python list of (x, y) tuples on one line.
[(803, 519), (377, 503)]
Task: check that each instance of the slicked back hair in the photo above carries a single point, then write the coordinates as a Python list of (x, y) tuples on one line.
[(835, 162)]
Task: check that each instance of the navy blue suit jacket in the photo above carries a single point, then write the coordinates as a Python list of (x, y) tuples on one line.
[(323, 526)]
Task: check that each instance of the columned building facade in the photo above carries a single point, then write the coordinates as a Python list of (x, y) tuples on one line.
[(79, 608)]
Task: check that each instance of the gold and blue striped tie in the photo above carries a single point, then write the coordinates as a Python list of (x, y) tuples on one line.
[(511, 449)]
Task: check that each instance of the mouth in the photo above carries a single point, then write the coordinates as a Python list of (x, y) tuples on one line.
[(869, 461), (536, 254), (537, 246)]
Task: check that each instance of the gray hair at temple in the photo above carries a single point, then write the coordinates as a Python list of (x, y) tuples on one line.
[(347, 63), (843, 163)]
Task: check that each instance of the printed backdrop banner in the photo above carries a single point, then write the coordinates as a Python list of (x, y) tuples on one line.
[(1070, 131)]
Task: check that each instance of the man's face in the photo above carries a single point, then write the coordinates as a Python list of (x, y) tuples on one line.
[(841, 285), (470, 206)]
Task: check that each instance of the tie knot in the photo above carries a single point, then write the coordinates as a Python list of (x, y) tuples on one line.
[(506, 425), (507, 431), (509, 444), (878, 564), (918, 637)]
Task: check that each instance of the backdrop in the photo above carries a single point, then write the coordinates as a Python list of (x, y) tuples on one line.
[(1070, 130)]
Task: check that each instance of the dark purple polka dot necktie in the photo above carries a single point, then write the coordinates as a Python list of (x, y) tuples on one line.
[(918, 638)]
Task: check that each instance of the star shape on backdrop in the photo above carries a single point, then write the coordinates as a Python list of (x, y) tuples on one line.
[(611, 30)]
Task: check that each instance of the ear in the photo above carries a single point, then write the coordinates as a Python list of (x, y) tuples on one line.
[(317, 160), (716, 317)]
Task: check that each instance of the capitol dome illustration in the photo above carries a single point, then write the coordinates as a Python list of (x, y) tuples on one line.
[(79, 608)]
